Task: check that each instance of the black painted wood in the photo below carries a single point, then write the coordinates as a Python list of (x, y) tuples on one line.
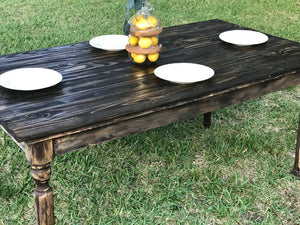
[(102, 87)]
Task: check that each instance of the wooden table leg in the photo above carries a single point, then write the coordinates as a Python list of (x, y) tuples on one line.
[(207, 120), (40, 156), (296, 169)]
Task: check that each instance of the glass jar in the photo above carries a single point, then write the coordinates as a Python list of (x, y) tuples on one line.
[(144, 46)]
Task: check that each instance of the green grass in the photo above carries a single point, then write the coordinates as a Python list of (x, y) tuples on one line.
[(237, 172)]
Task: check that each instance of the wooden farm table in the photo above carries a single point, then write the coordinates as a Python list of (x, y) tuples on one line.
[(103, 96)]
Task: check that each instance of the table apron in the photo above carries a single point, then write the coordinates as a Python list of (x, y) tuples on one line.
[(143, 122)]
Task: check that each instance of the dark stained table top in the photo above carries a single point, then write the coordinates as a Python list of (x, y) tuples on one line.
[(101, 86)]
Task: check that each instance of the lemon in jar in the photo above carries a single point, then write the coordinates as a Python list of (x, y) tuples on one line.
[(142, 24), (153, 57), (136, 19), (152, 21), (145, 42), (133, 40), (139, 58), (133, 55), (154, 40)]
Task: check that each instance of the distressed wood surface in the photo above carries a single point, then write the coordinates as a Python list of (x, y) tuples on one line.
[(102, 89), (40, 155), (163, 115)]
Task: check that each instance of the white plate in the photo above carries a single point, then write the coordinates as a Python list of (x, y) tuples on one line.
[(110, 42), (29, 79), (184, 73), (243, 37)]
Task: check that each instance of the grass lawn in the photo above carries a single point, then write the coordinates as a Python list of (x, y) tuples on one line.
[(237, 172)]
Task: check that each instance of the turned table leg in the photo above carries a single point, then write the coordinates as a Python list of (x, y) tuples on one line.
[(40, 156), (296, 169), (207, 120)]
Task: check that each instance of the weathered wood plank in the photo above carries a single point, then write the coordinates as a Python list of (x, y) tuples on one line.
[(20, 144), (165, 115)]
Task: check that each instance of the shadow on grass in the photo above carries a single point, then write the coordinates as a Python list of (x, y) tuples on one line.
[(7, 190)]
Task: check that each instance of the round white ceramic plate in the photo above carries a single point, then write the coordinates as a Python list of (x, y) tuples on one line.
[(29, 79), (243, 37), (184, 73), (110, 42)]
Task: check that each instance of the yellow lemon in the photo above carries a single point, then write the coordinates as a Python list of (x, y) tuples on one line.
[(153, 57), (152, 21), (133, 55), (145, 42), (136, 19), (133, 40), (154, 40), (142, 24), (139, 58)]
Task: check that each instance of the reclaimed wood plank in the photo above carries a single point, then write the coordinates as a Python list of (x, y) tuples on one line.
[(166, 114)]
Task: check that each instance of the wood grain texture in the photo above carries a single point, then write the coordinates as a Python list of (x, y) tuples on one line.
[(44, 207), (165, 114), (40, 156), (101, 88), (43, 196)]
